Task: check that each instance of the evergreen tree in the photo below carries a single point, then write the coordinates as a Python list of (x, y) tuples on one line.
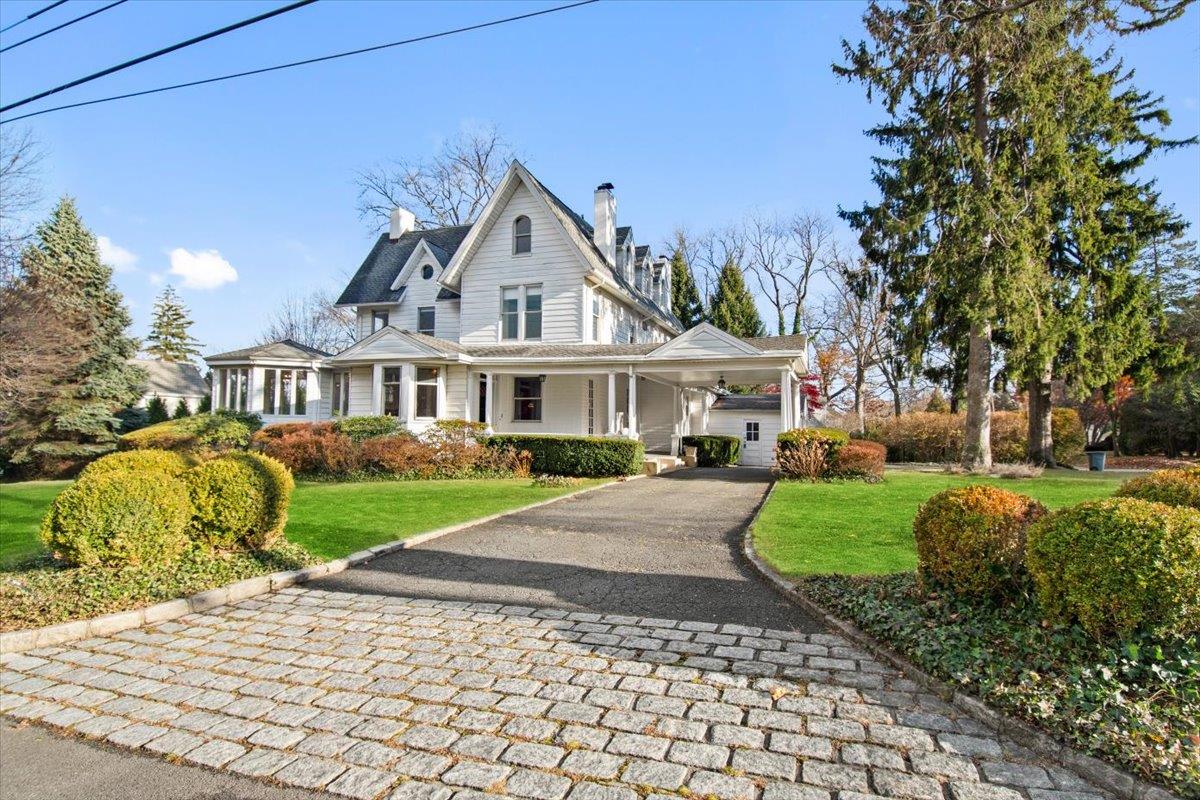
[(685, 298), (937, 402), (205, 404), (170, 338), (156, 410), (974, 90), (65, 263), (733, 309), (181, 410)]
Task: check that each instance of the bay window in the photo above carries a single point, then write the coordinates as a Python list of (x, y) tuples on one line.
[(285, 392), (233, 389)]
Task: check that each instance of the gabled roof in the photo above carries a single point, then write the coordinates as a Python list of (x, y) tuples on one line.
[(747, 402), (372, 283), (393, 341), (172, 378), (285, 349), (641, 251)]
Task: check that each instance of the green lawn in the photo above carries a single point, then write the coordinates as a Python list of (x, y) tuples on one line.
[(329, 519), (864, 529)]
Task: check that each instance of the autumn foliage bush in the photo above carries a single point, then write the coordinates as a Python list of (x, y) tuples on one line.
[(315, 450), (1175, 487), (971, 540), (859, 459), (809, 453), (937, 438)]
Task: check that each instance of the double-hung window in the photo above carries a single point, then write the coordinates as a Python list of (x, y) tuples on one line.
[(379, 320), (597, 316), (391, 391), (341, 393), (527, 399), (427, 392), (425, 320), (521, 312)]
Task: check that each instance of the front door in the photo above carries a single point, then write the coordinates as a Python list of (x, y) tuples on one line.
[(751, 444)]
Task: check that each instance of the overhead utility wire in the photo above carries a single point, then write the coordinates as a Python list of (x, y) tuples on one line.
[(140, 59), (31, 16), (60, 27), (331, 57)]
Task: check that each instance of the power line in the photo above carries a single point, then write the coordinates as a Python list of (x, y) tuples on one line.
[(306, 61), (31, 16), (157, 53), (60, 27)]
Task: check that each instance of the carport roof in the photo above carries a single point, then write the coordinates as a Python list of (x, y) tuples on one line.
[(747, 402)]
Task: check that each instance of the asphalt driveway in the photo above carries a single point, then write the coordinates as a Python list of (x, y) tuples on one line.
[(664, 546)]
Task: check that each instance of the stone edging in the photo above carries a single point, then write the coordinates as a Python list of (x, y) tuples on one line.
[(1113, 778), (108, 624)]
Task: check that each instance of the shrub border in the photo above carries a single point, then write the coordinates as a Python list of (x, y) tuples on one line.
[(33, 638), (1117, 780)]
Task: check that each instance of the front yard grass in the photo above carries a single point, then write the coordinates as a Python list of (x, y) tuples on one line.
[(325, 521), (854, 528)]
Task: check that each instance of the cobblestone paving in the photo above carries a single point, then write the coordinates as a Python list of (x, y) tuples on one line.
[(369, 697)]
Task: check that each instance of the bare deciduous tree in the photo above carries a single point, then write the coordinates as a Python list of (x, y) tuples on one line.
[(451, 188), (20, 191), (313, 321), (713, 251), (784, 255)]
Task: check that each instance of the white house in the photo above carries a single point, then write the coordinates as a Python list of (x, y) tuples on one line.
[(171, 382), (531, 320)]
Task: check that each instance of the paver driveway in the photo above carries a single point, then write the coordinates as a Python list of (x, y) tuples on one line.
[(372, 695)]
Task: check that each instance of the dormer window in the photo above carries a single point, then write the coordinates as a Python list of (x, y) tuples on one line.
[(522, 236), (427, 271)]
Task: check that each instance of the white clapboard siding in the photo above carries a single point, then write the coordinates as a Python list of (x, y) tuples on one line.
[(704, 345), (456, 394), (360, 391), (655, 415), (562, 396), (553, 263), (731, 422), (446, 322), (366, 315)]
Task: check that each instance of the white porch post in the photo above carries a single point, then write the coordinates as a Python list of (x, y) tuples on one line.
[(632, 417), (797, 406), (611, 427), (376, 389), (408, 398), (468, 413), (489, 401), (442, 412), (677, 421), (785, 400)]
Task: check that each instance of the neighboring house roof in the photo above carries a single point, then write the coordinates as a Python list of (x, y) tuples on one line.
[(283, 349), (792, 341), (373, 281), (172, 378), (747, 402)]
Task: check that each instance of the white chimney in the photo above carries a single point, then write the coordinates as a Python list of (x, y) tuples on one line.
[(403, 221), (605, 234), (664, 272)]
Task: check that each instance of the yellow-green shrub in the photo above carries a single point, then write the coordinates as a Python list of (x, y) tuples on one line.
[(971, 539), (1175, 487), (164, 461), (240, 500), (921, 436), (119, 518), (1010, 437), (1119, 565), (1069, 436)]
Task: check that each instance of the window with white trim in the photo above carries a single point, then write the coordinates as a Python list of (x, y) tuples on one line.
[(234, 389), (427, 392), (391, 391), (527, 399), (522, 236), (425, 320), (521, 312), (751, 431), (597, 316)]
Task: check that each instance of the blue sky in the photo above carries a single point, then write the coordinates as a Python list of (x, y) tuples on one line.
[(697, 113)]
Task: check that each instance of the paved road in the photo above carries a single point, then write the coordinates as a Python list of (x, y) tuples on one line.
[(665, 546)]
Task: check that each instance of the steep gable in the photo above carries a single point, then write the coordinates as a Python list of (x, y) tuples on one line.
[(374, 279)]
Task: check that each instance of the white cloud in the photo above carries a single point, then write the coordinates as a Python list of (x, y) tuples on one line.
[(204, 269), (117, 257)]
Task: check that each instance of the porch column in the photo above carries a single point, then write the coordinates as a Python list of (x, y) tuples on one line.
[(797, 407), (632, 417), (489, 400), (376, 389), (611, 427), (468, 412), (785, 400), (677, 421), (408, 398)]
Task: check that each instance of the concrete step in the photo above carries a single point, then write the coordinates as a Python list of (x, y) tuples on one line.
[(655, 464)]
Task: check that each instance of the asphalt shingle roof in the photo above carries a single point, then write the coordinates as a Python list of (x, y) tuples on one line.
[(747, 402), (285, 348), (372, 283), (172, 378)]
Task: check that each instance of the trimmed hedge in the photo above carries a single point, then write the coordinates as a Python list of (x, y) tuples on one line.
[(1175, 487), (199, 433), (933, 437), (715, 451), (580, 456), (1119, 566), (360, 429), (240, 501), (167, 462), (119, 518), (971, 540)]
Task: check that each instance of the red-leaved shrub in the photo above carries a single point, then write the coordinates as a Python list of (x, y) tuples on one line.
[(859, 459), (398, 455), (313, 451), (282, 429)]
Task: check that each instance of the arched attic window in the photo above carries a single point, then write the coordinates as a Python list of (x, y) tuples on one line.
[(522, 235)]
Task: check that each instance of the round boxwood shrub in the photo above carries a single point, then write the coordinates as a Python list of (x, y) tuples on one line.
[(1175, 487), (164, 461), (971, 540), (1118, 566), (119, 518), (240, 500)]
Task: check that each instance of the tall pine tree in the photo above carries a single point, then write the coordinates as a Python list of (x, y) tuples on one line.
[(64, 262), (170, 336), (733, 309), (685, 298)]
